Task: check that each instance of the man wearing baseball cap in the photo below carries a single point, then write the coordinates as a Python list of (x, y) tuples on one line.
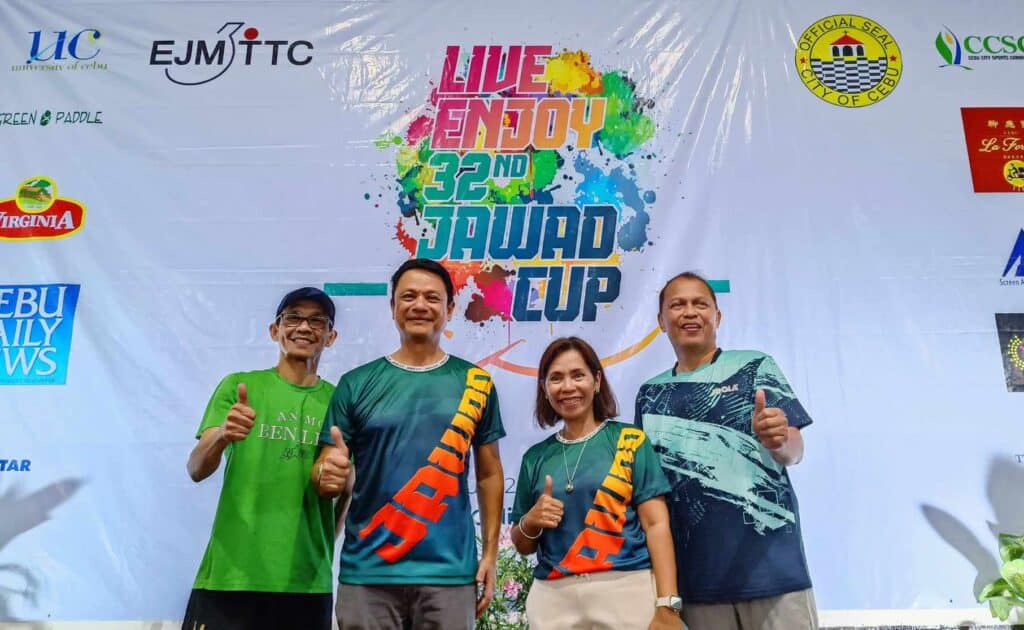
[(268, 561)]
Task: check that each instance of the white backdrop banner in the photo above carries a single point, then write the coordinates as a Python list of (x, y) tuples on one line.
[(851, 184)]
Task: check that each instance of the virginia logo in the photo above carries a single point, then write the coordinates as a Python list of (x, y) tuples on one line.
[(37, 213)]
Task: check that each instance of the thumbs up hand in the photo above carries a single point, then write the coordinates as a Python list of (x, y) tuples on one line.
[(335, 466), (240, 419), (769, 423), (547, 512)]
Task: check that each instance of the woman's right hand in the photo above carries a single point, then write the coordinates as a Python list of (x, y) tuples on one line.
[(547, 512)]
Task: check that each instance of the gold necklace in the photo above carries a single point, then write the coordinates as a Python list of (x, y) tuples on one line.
[(569, 486)]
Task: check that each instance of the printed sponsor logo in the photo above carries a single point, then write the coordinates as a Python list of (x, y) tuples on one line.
[(1015, 261), (46, 117), (62, 51), (975, 48), (995, 147), (200, 61), (15, 465), (1010, 327), (849, 60), (37, 213), (36, 322)]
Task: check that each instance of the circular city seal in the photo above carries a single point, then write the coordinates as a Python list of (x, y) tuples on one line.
[(848, 60)]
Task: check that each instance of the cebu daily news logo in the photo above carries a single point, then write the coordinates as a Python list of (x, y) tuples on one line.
[(36, 321), (199, 61)]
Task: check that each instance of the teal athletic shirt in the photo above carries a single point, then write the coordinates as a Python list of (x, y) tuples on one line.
[(735, 521), (600, 528), (410, 435)]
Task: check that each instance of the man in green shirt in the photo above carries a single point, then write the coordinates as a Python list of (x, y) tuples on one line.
[(268, 562), (408, 421)]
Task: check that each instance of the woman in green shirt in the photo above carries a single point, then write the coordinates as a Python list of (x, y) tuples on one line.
[(590, 503)]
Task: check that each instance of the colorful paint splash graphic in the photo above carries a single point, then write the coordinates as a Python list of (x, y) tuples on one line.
[(522, 177)]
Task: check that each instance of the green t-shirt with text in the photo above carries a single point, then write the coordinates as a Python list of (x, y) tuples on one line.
[(272, 532), (600, 529), (410, 435)]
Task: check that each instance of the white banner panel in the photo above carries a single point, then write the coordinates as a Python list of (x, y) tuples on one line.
[(850, 183)]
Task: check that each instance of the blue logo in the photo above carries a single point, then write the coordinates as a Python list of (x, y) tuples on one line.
[(1016, 257), (63, 50), (36, 321), (15, 465)]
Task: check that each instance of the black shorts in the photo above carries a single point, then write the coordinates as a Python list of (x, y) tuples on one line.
[(251, 610)]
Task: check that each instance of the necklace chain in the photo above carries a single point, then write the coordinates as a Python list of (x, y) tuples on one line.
[(569, 486)]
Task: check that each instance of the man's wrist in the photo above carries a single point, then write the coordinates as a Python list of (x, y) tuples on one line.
[(489, 557), (222, 440), (669, 603)]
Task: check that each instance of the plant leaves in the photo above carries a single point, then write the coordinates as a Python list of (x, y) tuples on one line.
[(1013, 573), (999, 588), (1000, 608), (1011, 547)]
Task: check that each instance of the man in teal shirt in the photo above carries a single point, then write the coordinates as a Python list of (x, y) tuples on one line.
[(409, 421), (268, 562), (726, 425)]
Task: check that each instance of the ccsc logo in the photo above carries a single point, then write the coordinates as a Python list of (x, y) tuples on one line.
[(977, 48)]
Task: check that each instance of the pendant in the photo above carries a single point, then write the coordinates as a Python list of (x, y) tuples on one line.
[(569, 487)]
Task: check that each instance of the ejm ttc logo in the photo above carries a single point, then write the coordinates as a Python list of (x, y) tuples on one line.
[(199, 61)]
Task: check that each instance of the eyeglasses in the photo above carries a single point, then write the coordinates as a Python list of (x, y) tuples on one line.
[(316, 322)]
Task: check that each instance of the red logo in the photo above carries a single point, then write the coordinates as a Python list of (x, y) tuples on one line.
[(37, 213), (995, 147)]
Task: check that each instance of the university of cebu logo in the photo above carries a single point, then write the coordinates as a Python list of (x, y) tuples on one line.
[(848, 60), (37, 213)]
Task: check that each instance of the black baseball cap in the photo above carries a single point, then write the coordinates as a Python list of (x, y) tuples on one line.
[(307, 293)]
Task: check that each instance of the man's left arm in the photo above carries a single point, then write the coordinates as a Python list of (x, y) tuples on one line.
[(778, 424), (490, 485)]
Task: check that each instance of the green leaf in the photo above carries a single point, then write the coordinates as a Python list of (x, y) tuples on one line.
[(999, 588), (940, 45), (1011, 547), (1000, 608), (1013, 573)]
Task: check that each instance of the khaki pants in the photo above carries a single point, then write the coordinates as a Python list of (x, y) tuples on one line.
[(790, 611), (609, 600)]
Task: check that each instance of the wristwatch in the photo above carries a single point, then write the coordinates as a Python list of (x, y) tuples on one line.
[(670, 601)]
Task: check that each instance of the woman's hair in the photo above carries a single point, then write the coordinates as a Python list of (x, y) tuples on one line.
[(604, 400)]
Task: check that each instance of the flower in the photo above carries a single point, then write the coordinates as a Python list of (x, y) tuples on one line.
[(514, 578), (511, 589)]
